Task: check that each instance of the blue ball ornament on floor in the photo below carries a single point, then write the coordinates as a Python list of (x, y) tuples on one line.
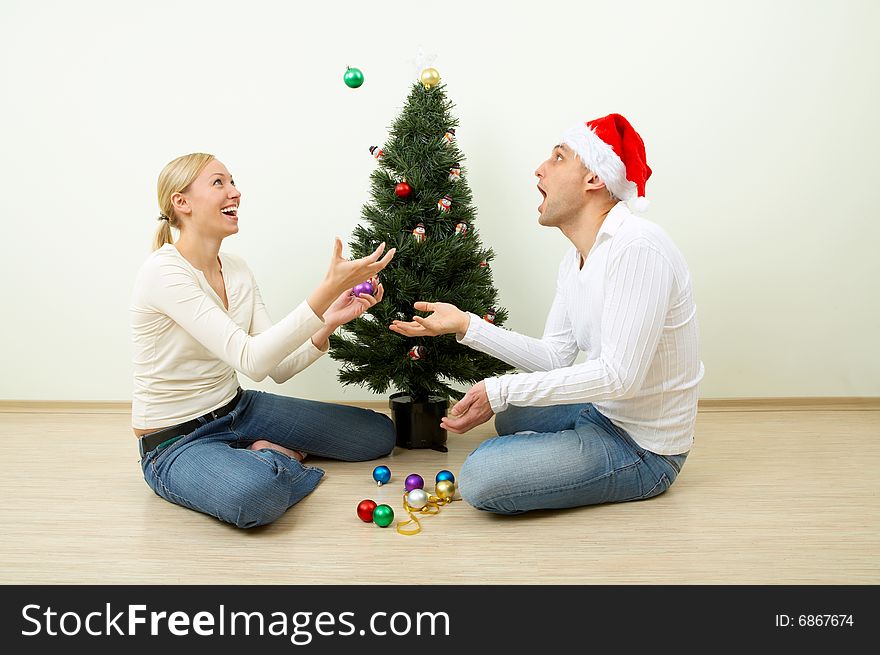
[(381, 474), (445, 475)]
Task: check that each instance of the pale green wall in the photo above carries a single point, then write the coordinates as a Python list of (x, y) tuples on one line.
[(759, 120)]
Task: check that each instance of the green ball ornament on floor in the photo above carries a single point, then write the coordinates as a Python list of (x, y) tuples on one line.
[(353, 77), (383, 515)]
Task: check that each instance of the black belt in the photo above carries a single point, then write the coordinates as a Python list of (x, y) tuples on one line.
[(149, 441)]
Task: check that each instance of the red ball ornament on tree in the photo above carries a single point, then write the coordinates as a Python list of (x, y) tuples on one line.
[(402, 190), (365, 510)]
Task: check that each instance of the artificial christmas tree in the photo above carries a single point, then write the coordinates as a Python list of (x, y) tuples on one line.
[(439, 258)]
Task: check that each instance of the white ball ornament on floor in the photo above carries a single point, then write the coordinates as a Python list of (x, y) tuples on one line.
[(417, 498)]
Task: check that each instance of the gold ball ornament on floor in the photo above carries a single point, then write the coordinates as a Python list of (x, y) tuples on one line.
[(445, 489), (430, 78)]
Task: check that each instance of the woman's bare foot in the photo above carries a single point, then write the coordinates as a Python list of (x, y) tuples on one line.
[(262, 444)]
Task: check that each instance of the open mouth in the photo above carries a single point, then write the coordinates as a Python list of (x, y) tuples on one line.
[(231, 211), (543, 198)]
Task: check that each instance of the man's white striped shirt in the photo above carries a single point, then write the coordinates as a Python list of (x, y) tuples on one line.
[(630, 308)]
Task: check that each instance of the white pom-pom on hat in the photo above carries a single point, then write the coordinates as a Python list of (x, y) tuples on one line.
[(638, 204)]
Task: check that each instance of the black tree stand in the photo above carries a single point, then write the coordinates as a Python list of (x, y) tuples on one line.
[(417, 422)]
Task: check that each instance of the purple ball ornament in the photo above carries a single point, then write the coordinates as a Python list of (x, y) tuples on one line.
[(414, 481), (364, 287)]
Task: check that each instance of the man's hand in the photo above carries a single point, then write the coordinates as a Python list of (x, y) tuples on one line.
[(445, 319), (470, 411)]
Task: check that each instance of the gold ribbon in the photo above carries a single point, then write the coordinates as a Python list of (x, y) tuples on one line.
[(431, 508)]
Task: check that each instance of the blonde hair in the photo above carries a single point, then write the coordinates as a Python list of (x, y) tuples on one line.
[(176, 178)]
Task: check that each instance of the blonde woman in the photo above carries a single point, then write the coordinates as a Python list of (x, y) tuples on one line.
[(197, 320)]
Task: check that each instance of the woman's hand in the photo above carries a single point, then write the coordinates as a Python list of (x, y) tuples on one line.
[(348, 307), (445, 319), (343, 274), (344, 309)]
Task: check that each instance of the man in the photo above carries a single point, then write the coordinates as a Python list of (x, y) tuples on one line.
[(618, 426)]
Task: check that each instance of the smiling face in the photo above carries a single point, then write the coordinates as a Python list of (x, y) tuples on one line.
[(209, 206)]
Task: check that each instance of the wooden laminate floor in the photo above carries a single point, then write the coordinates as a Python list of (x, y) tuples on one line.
[(766, 497)]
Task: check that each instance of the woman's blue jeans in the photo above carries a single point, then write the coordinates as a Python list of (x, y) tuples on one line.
[(573, 456), (211, 470)]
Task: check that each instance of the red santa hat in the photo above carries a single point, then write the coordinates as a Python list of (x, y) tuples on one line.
[(612, 149)]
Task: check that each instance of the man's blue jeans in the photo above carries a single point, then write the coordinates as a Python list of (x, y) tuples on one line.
[(211, 470), (574, 457)]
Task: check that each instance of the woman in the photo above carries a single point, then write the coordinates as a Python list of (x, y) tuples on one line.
[(197, 317)]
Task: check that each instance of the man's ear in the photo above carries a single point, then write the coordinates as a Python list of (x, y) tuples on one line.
[(592, 182), (181, 204)]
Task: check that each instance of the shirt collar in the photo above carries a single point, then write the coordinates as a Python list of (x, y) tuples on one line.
[(613, 220)]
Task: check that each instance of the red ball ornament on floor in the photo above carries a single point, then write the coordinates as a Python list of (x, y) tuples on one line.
[(365, 510), (402, 190)]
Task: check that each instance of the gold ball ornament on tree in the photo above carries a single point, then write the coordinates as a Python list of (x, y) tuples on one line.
[(430, 78)]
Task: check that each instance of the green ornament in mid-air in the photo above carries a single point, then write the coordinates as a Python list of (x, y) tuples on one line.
[(353, 77)]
